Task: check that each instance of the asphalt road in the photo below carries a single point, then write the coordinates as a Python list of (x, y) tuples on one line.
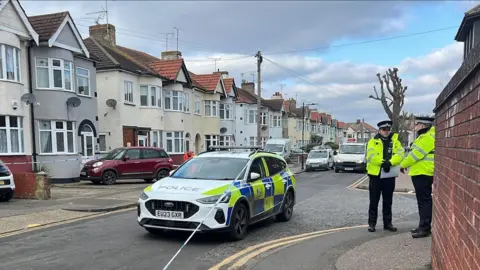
[(117, 242)]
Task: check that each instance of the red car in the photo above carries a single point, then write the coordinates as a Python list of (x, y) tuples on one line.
[(146, 163)]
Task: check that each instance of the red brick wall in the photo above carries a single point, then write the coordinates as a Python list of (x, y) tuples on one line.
[(16, 168), (129, 136), (177, 158), (456, 201), (25, 185)]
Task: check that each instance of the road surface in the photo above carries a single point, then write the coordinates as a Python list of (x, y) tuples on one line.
[(117, 242)]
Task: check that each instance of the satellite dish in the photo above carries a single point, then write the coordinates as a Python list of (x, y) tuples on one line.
[(264, 127), (28, 98), (73, 102), (223, 130), (111, 103)]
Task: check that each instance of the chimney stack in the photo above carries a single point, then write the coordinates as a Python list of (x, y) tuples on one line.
[(249, 87), (359, 121), (224, 74), (99, 33), (171, 55), (277, 95)]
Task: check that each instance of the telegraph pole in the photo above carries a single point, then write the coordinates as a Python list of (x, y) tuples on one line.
[(303, 132), (259, 95)]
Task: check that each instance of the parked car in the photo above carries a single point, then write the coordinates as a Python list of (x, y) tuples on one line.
[(7, 185), (146, 163), (320, 159)]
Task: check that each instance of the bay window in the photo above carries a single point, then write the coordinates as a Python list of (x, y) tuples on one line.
[(174, 142), (197, 105), (176, 101), (226, 141), (263, 118), (53, 73), (57, 137), (253, 141), (211, 140), (276, 121), (211, 108), (156, 138), (128, 91), (150, 96), (252, 116), (9, 63), (11, 135), (226, 111), (83, 81)]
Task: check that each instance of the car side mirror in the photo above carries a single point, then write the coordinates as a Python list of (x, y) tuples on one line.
[(171, 172), (125, 158), (254, 176)]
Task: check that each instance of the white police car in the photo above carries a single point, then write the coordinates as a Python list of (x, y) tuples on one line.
[(7, 185), (183, 200)]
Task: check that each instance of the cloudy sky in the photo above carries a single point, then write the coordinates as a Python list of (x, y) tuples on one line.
[(323, 52)]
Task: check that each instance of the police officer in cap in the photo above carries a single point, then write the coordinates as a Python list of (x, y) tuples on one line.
[(383, 151), (420, 160)]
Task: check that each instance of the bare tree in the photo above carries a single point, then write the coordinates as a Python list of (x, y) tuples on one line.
[(392, 95)]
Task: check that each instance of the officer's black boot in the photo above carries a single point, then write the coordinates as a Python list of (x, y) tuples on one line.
[(390, 227), (421, 233), (371, 228), (414, 230)]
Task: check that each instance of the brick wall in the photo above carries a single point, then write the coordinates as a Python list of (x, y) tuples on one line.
[(25, 163), (456, 190), (129, 136)]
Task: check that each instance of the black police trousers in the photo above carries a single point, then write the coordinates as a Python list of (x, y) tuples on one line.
[(423, 192), (380, 187)]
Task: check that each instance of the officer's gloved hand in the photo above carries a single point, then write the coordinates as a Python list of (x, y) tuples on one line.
[(386, 166)]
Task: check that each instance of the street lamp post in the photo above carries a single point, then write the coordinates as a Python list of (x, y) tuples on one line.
[(303, 129)]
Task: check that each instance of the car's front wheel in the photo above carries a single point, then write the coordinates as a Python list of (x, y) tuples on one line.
[(287, 207), (162, 174), (109, 177), (7, 196), (239, 223)]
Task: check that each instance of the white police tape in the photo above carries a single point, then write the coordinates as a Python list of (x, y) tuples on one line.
[(47, 161)]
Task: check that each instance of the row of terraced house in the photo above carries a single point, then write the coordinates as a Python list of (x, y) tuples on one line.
[(65, 99)]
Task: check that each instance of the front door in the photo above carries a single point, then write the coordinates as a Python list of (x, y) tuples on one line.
[(142, 140), (88, 145)]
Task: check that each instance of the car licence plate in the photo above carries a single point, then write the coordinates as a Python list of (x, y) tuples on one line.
[(83, 173), (2, 182), (169, 214), (348, 169)]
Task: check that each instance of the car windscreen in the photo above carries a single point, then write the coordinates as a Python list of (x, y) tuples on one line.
[(317, 154), (275, 148), (352, 149), (114, 154), (212, 168), (3, 169)]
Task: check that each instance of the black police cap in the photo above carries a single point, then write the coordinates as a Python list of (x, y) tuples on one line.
[(385, 124)]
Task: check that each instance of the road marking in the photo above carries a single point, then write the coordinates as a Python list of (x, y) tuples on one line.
[(356, 183), (251, 248), (34, 227), (254, 254)]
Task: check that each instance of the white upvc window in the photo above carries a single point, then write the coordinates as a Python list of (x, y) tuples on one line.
[(52, 73), (252, 116), (276, 121), (174, 142), (11, 135), (186, 102), (197, 105), (102, 143), (156, 138), (83, 81), (128, 92), (57, 137), (263, 141), (150, 96), (9, 63), (175, 101), (263, 118), (226, 140), (226, 111), (211, 140), (211, 108), (253, 141)]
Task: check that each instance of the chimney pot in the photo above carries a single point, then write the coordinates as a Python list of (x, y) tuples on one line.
[(99, 33)]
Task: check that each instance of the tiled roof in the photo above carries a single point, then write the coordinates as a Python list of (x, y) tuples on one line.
[(167, 68), (194, 82), (358, 127), (341, 125), (141, 57), (46, 25), (111, 58), (245, 97), (229, 83), (274, 104), (208, 81), (315, 116)]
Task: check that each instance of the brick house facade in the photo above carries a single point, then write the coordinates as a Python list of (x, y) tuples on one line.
[(456, 191)]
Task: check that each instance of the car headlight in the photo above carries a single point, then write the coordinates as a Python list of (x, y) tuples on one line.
[(308, 162), (144, 196), (360, 161), (214, 199), (97, 164)]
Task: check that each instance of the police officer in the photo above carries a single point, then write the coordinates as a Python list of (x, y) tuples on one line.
[(420, 160), (383, 151)]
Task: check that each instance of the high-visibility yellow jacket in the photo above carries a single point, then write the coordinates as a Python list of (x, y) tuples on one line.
[(375, 154), (420, 160)]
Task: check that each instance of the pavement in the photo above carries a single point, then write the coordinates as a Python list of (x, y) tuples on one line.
[(115, 241), (403, 184)]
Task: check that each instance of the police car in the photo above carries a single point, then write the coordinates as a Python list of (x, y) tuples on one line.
[(252, 184)]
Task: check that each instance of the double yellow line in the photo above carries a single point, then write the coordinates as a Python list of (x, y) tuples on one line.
[(249, 253), (356, 183)]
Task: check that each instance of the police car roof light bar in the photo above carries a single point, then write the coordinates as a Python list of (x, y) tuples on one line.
[(212, 148)]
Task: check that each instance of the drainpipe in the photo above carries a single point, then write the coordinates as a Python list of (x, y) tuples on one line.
[(32, 108)]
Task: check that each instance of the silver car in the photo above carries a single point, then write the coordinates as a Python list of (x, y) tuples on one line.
[(319, 159)]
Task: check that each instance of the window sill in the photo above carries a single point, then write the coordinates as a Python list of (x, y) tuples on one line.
[(10, 81), (56, 89), (170, 110), (85, 96), (211, 116), (13, 154), (150, 107), (58, 154), (226, 119), (197, 114), (129, 104)]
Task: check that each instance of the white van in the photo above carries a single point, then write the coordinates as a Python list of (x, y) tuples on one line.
[(319, 159), (280, 147), (351, 157)]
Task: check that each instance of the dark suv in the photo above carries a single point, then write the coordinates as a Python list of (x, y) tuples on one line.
[(146, 163)]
